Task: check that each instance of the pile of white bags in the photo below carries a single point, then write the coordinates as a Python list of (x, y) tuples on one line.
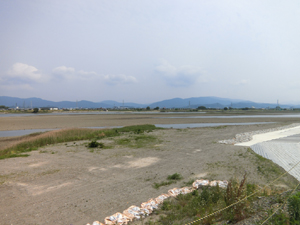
[(199, 183), (135, 212)]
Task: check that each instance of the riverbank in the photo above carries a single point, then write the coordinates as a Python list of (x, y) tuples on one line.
[(280, 145), (69, 183)]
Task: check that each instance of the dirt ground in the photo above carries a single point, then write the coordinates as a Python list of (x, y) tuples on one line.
[(69, 184)]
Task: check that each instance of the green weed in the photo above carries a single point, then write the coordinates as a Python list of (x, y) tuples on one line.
[(95, 144), (294, 207), (171, 179), (189, 183), (163, 183), (235, 192), (186, 208), (175, 176)]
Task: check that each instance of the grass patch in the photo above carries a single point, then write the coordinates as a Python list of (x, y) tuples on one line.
[(265, 166), (137, 141), (143, 140), (123, 141), (13, 156), (37, 140), (219, 127), (186, 208), (34, 134), (95, 144), (163, 183), (139, 129), (171, 179), (175, 176), (189, 183)]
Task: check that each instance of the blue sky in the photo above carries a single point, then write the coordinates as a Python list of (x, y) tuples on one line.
[(146, 51)]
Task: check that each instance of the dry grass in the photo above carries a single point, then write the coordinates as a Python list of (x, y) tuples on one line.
[(34, 141)]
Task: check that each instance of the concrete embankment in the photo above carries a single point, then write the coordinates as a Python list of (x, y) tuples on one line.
[(281, 145)]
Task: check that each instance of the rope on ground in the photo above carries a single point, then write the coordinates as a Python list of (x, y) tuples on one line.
[(220, 210), (281, 204)]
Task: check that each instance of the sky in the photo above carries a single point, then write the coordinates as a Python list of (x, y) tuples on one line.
[(150, 50)]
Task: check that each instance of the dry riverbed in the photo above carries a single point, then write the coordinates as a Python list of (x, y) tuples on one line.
[(69, 183)]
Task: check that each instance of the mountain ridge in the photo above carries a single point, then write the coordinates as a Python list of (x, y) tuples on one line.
[(193, 102)]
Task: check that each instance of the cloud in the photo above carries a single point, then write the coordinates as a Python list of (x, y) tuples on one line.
[(25, 72), (63, 70), (119, 79), (183, 76), (86, 74), (22, 77), (70, 73)]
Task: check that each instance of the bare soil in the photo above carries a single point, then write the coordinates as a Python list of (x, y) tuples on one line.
[(69, 184)]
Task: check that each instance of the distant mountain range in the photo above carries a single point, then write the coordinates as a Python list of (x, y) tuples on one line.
[(209, 102)]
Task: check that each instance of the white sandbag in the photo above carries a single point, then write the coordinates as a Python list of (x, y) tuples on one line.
[(149, 205), (145, 212), (133, 212), (185, 190), (117, 218), (199, 183), (97, 223), (174, 192), (222, 184), (213, 183), (161, 198)]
